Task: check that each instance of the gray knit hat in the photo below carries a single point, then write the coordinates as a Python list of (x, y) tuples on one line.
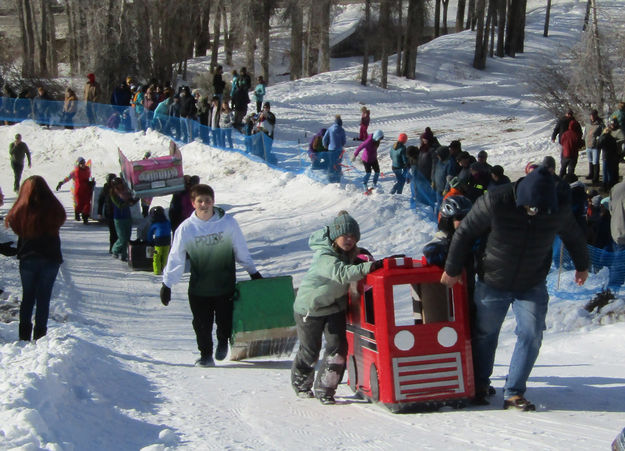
[(344, 224)]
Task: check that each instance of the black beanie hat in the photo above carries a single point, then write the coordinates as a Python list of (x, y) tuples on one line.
[(538, 189)]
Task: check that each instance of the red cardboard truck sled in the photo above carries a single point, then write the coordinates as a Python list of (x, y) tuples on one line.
[(409, 338), (154, 176)]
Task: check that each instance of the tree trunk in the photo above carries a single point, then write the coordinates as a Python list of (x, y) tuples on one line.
[(250, 37), (400, 29), (445, 10), (227, 37), (297, 24), (437, 18), (324, 36), (479, 58), (548, 13), (71, 38), (501, 27), (384, 28), (414, 27), (28, 37), (460, 16), (265, 30), (202, 35), (365, 58), (471, 16), (312, 40), (216, 35)]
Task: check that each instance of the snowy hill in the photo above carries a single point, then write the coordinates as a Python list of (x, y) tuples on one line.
[(116, 368)]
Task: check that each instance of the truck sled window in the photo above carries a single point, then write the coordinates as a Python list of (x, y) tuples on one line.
[(423, 303)]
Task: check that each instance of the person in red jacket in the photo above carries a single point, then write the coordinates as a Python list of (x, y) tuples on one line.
[(571, 141), (83, 186)]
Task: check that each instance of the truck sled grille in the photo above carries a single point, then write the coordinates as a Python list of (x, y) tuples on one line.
[(427, 376)]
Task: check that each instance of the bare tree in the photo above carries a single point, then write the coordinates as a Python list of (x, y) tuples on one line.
[(324, 35), (385, 26), (460, 15), (400, 28), (216, 35), (437, 18), (294, 11), (365, 56), (481, 36), (547, 14), (414, 27), (445, 4), (25, 17), (202, 35)]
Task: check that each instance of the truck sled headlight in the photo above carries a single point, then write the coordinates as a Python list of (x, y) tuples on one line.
[(447, 337), (404, 340)]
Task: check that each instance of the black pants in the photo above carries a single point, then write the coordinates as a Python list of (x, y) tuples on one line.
[(206, 310), (17, 174), (330, 374), (112, 233), (567, 166)]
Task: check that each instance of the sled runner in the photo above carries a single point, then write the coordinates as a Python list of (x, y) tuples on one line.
[(154, 176), (263, 321)]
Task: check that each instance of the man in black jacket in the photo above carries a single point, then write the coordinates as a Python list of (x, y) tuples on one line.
[(520, 222), (561, 126)]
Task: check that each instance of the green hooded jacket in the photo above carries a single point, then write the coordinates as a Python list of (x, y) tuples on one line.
[(323, 290)]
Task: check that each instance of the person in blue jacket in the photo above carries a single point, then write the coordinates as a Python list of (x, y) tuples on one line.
[(334, 140), (159, 236)]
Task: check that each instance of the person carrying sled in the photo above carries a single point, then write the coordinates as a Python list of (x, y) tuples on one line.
[(520, 222), (159, 236), (369, 157), (214, 242), (83, 187), (320, 307)]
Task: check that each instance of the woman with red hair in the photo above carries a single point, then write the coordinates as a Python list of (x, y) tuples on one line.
[(36, 218)]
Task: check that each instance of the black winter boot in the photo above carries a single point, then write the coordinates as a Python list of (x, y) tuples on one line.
[(591, 171), (595, 175), (39, 332), (24, 331), (76, 216), (85, 218)]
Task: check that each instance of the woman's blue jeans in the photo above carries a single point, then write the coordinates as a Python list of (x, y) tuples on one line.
[(38, 275)]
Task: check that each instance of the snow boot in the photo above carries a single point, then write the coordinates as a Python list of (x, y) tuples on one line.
[(305, 394), (222, 350), (85, 218), (76, 216), (518, 403), (327, 400), (591, 171), (595, 175), (25, 331), (39, 332), (205, 362)]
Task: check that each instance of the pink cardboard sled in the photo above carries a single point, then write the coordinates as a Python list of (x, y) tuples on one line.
[(155, 176)]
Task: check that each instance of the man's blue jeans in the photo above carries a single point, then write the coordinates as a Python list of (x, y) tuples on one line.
[(38, 275), (530, 309)]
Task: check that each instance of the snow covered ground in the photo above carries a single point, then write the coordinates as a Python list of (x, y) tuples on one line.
[(116, 368)]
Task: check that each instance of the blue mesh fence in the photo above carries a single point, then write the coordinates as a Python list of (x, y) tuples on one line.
[(612, 259)]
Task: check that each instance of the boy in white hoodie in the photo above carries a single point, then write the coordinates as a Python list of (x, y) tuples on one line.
[(213, 241)]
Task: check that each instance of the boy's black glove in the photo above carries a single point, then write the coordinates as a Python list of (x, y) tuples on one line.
[(256, 275), (377, 265), (59, 185), (6, 249), (165, 294)]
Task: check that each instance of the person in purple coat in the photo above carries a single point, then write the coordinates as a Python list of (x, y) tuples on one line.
[(369, 157)]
